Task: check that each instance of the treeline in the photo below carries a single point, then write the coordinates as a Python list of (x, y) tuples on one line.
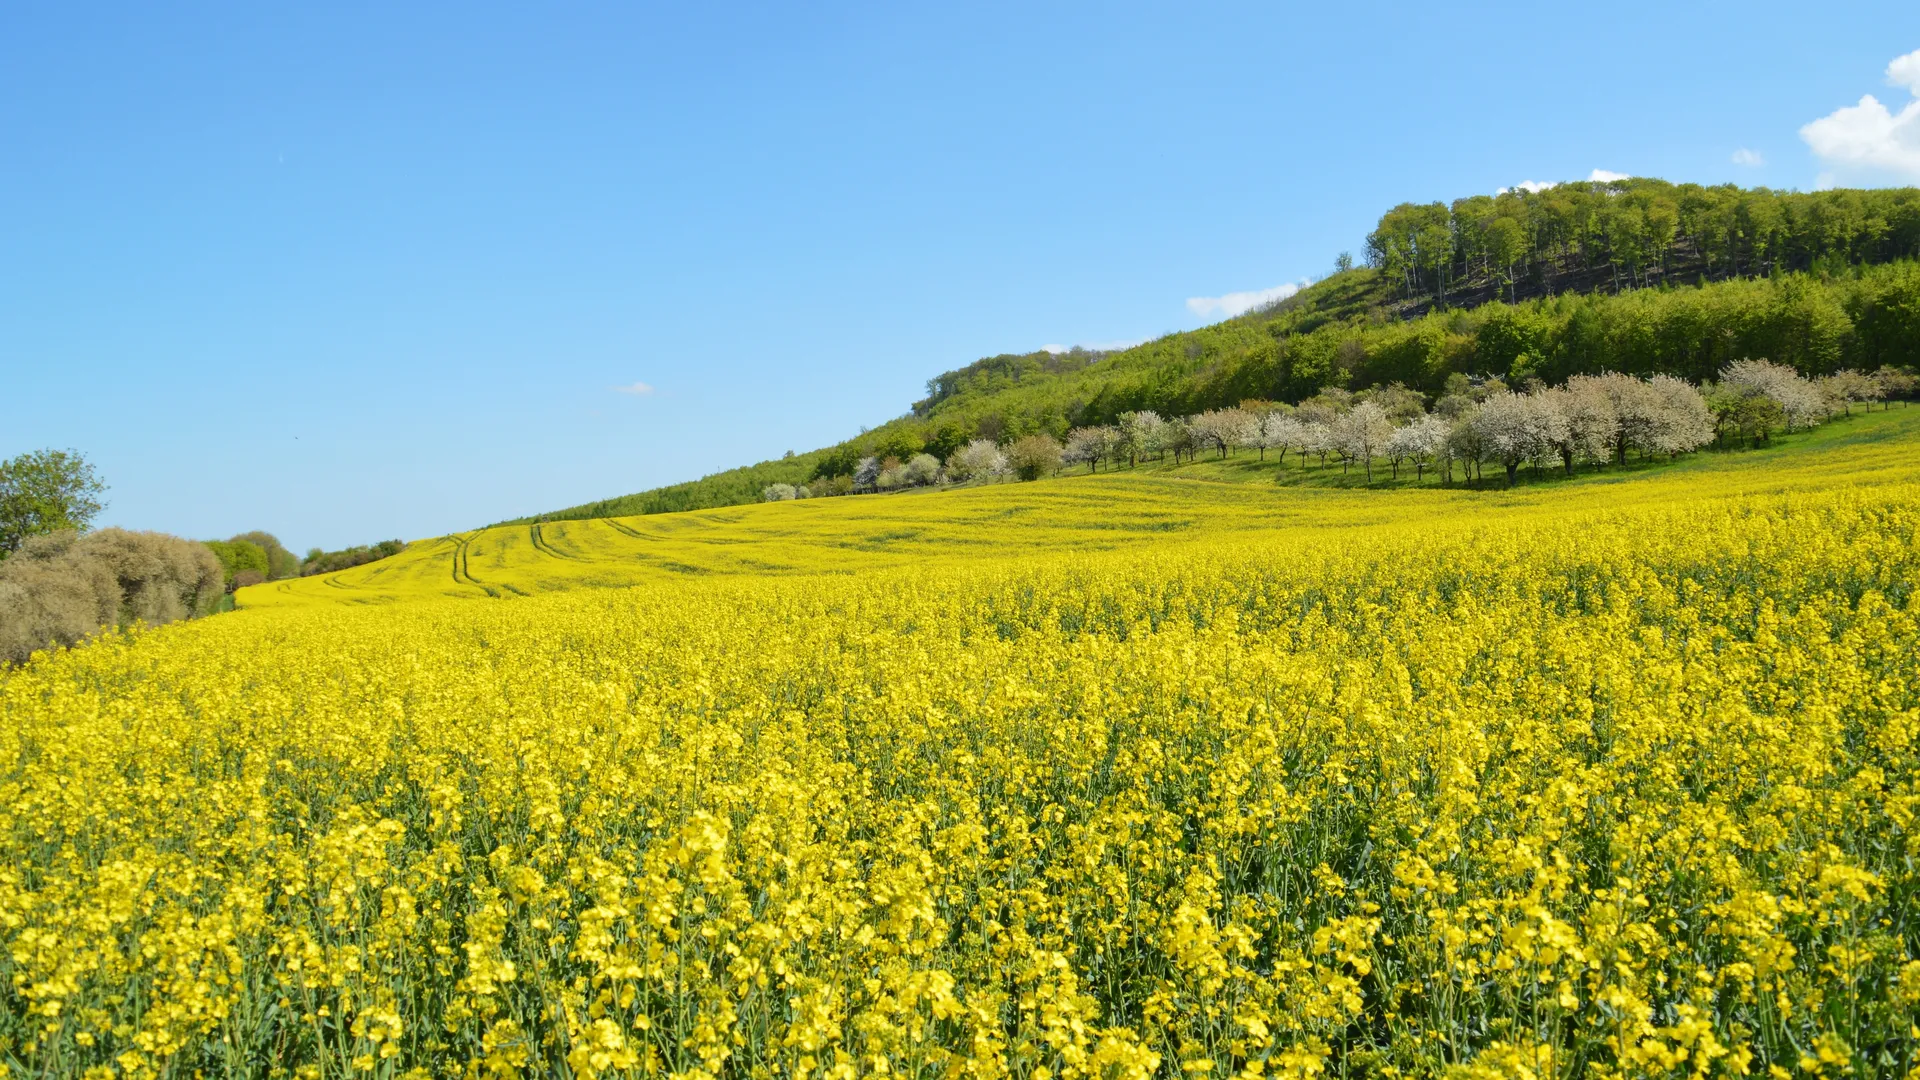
[(327, 562), (1590, 419), (1633, 233)]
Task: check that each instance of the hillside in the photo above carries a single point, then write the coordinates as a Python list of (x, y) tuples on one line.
[(1638, 275), (1152, 506)]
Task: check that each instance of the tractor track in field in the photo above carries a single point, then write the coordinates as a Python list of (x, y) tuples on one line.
[(635, 533), (541, 544), (462, 574)]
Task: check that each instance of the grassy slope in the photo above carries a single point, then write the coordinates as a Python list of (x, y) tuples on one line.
[(1158, 503)]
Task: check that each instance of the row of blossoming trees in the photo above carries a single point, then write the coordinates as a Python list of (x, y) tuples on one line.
[(1592, 419)]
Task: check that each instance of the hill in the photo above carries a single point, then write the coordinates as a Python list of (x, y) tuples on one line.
[(1638, 275)]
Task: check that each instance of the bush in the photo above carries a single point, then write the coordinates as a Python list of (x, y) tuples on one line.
[(1034, 456), (62, 587), (923, 469)]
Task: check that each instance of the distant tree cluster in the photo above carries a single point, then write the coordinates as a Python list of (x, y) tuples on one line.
[(253, 557), (1476, 422), (1635, 233), (327, 562)]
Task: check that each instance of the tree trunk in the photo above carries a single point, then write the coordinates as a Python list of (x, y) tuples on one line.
[(1513, 472)]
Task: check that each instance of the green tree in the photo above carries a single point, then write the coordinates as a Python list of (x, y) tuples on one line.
[(238, 557), (281, 563), (46, 491)]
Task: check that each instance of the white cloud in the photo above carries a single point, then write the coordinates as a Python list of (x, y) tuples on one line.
[(1533, 186), (1750, 158), (1239, 303), (1094, 346), (1606, 176), (1869, 136), (1906, 72), (637, 389)]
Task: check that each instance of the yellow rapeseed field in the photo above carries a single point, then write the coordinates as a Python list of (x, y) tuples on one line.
[(1103, 777)]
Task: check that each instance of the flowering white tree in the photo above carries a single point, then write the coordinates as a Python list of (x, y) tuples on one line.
[(777, 492), (1088, 444), (1517, 428), (1686, 424), (1222, 429), (1844, 388), (1799, 400), (1419, 442), (1143, 434), (1590, 423), (1282, 432), (1360, 434), (978, 460)]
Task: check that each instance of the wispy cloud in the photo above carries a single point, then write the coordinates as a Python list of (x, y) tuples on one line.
[(638, 389), (1749, 158), (1094, 346), (1606, 176), (1238, 303), (1869, 136)]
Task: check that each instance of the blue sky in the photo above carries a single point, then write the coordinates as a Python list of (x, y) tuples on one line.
[(346, 273)]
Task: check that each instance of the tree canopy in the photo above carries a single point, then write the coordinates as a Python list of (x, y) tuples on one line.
[(46, 491)]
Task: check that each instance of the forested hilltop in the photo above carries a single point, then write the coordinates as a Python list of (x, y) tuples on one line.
[(1637, 276)]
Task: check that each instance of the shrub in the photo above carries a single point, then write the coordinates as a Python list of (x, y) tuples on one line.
[(1034, 456), (62, 587)]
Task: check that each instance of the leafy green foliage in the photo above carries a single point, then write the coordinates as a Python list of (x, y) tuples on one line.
[(327, 562), (43, 492), (237, 557), (281, 563)]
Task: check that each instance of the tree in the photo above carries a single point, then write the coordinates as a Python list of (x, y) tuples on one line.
[(1685, 422), (921, 470), (1800, 401), (46, 491), (1590, 423), (1144, 434), (239, 557), (1637, 410), (1034, 456), (978, 460), (1845, 387), (1895, 383), (1421, 441), (1088, 444), (281, 563), (1222, 429), (778, 493), (1361, 434), (1517, 428)]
